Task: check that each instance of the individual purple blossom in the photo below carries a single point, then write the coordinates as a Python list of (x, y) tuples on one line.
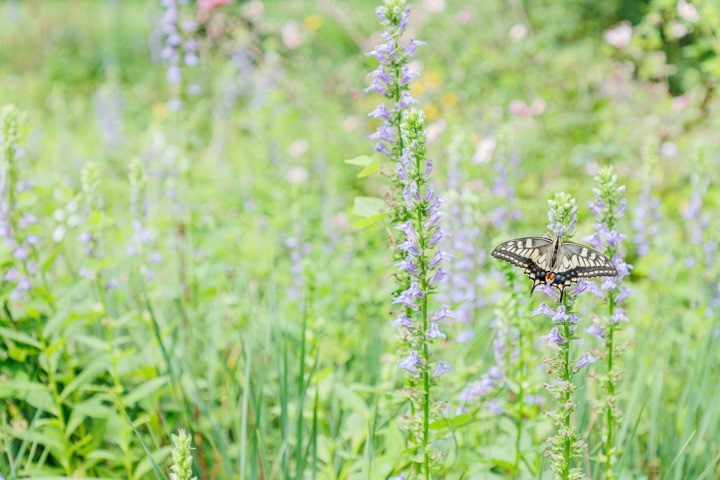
[(434, 331), (553, 338), (411, 363), (584, 361), (596, 330), (402, 321), (441, 369), (544, 309)]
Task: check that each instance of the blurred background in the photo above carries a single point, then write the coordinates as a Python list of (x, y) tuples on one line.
[(228, 287)]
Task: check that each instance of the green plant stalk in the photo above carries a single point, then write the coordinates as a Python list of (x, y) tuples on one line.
[(609, 420), (566, 399), (52, 383), (117, 383), (425, 350), (567, 394)]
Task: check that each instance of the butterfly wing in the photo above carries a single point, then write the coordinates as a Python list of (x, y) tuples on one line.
[(532, 254), (584, 262)]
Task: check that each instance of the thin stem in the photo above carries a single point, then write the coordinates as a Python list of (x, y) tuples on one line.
[(610, 389), (425, 349), (566, 399)]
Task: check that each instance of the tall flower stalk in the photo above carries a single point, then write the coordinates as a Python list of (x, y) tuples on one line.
[(566, 443), (413, 208), (422, 258), (608, 206)]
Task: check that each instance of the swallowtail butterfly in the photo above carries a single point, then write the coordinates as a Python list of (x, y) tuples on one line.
[(554, 262)]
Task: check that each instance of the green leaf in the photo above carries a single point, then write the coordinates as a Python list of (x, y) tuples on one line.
[(145, 390), (20, 337), (368, 206), (362, 161), (453, 423), (371, 169), (366, 222)]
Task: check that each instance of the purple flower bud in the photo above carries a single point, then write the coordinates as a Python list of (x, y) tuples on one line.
[(434, 331), (623, 293), (406, 100), (443, 312), (560, 315), (549, 291), (381, 112), (411, 363), (13, 275), (441, 369), (595, 330), (407, 75), (412, 46), (381, 75), (543, 309), (439, 256), (408, 265), (410, 247), (383, 150), (86, 273), (553, 339), (585, 360), (27, 220), (439, 276), (428, 168), (402, 321), (494, 407), (618, 316), (437, 235)]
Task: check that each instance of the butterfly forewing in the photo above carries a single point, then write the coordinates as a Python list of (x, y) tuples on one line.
[(586, 262), (524, 252)]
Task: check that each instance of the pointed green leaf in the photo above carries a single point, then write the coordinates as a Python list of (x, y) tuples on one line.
[(368, 206)]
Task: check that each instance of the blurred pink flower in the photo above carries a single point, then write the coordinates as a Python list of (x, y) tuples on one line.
[(619, 36), (687, 11), (210, 4), (519, 108)]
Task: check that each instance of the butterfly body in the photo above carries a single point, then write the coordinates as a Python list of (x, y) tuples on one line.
[(554, 262)]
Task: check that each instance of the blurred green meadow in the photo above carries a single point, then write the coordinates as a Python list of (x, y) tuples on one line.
[(210, 267)]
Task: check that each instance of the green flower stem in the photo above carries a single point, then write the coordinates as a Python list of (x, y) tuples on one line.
[(425, 350), (609, 420)]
